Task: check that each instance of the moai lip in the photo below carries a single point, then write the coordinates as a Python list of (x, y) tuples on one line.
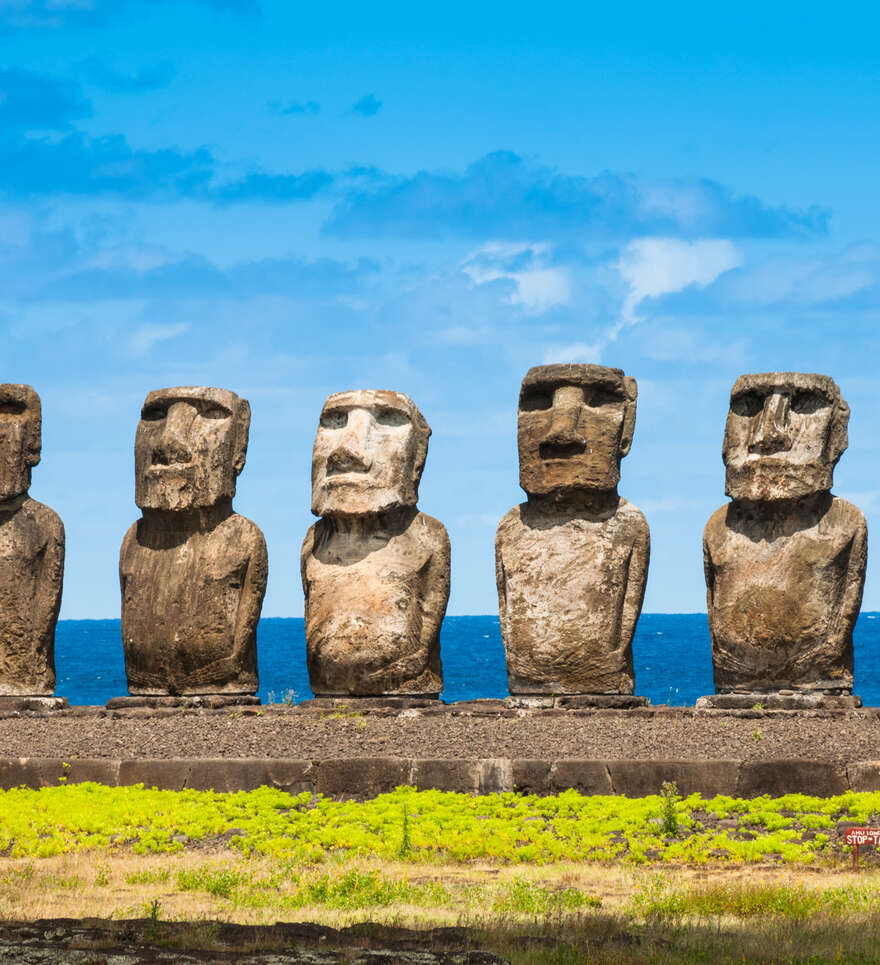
[(31, 555), (572, 561), (192, 571), (375, 570), (785, 559)]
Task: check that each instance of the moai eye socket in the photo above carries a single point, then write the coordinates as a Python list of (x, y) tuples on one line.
[(747, 404), (11, 407), (536, 399), (807, 401), (390, 417), (154, 412), (334, 419), (213, 412), (597, 396)]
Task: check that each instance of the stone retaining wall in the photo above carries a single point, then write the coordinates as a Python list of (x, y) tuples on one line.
[(367, 776)]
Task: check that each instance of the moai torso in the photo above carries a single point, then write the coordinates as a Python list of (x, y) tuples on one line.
[(372, 609), (192, 572), (190, 608), (31, 554), (375, 570), (572, 562), (571, 588), (785, 560)]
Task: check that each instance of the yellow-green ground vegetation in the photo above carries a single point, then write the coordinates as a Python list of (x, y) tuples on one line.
[(567, 878)]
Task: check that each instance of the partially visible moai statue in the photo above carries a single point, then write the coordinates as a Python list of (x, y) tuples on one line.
[(572, 561), (31, 555), (192, 571), (785, 559), (375, 570)]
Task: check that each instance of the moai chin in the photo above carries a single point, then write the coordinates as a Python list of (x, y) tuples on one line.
[(375, 570), (31, 553), (192, 571), (784, 559), (572, 561)]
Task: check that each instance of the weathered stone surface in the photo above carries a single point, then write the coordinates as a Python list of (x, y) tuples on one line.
[(640, 778), (864, 775), (192, 571), (818, 778), (375, 570), (31, 553), (571, 562), (778, 701), (194, 702), (17, 704), (362, 777), (785, 559)]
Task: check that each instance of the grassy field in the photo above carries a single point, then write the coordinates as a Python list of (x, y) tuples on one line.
[(557, 879)]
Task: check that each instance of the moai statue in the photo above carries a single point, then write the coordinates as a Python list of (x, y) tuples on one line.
[(375, 570), (572, 561), (31, 557), (192, 571), (784, 559)]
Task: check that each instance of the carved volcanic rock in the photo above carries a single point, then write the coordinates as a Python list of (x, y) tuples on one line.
[(374, 607), (571, 587), (571, 563), (192, 572), (375, 570), (785, 560), (31, 553)]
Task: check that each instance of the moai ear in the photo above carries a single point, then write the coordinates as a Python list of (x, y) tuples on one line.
[(631, 390), (838, 438), (242, 429), (33, 442)]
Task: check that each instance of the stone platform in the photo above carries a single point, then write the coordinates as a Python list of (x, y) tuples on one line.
[(12, 703), (365, 777), (779, 700), (187, 702)]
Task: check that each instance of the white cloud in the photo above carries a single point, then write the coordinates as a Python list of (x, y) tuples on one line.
[(659, 266), (147, 336), (537, 286)]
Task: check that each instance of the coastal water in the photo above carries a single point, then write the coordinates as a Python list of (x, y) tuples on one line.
[(671, 652)]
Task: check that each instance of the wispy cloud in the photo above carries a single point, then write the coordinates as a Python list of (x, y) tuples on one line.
[(505, 196), (149, 77), (145, 337), (34, 102), (368, 106), (537, 284)]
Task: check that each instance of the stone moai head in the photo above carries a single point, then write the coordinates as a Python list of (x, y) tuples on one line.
[(20, 438), (576, 423), (190, 446), (785, 432), (370, 449)]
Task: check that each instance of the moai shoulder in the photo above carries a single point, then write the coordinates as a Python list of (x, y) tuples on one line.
[(31, 555), (375, 569), (192, 571), (785, 558), (572, 561)]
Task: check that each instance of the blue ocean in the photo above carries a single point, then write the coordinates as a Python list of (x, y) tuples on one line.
[(671, 651)]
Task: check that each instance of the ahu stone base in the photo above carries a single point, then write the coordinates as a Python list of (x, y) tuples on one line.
[(10, 703), (577, 701), (779, 700), (185, 701)]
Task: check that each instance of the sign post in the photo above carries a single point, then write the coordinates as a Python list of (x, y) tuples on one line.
[(857, 836)]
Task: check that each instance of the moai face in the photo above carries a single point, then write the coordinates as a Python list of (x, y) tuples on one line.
[(575, 424), (785, 432), (190, 446), (369, 453), (20, 438)]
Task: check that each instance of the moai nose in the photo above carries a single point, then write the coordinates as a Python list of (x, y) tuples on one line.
[(173, 443), (568, 401), (771, 431), (353, 452)]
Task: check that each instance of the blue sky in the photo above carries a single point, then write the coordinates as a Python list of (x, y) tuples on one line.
[(288, 200)]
